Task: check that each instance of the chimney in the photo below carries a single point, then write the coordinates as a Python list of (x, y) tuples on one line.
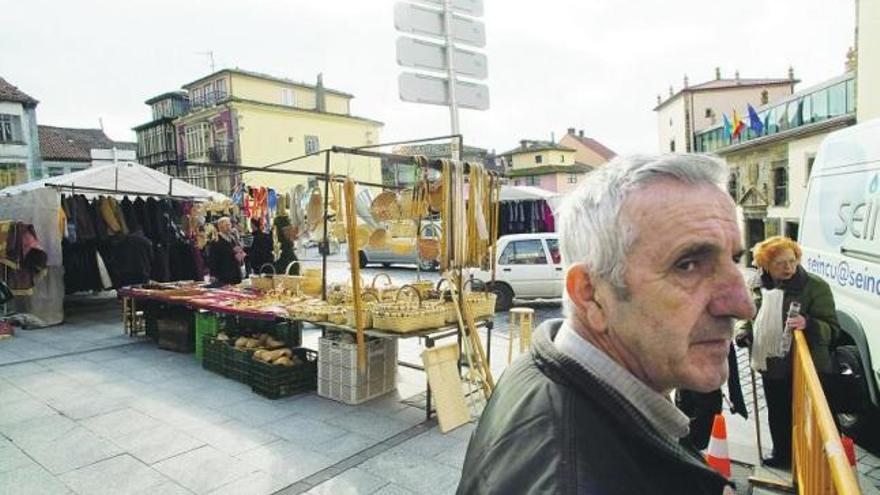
[(524, 143), (552, 137), (717, 73), (685, 81), (736, 75), (320, 99), (791, 73), (658, 100), (670, 91), (571, 130), (581, 133)]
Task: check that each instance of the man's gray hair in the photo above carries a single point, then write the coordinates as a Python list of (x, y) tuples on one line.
[(591, 228)]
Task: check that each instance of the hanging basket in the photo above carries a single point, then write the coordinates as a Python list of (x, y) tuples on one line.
[(378, 239), (429, 249), (362, 234), (311, 282), (315, 208), (386, 206)]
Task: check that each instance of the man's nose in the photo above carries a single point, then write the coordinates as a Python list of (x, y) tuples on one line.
[(732, 298)]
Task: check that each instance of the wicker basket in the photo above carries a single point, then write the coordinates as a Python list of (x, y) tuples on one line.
[(288, 281), (366, 311), (378, 239), (429, 249), (383, 294), (408, 315), (264, 281), (386, 206), (362, 236), (481, 303), (402, 228)]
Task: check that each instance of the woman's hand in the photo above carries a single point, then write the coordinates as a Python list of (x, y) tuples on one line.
[(796, 322)]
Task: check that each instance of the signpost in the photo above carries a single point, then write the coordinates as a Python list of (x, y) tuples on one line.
[(451, 28)]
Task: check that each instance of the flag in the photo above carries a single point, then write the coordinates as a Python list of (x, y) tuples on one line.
[(727, 126), (755, 123), (738, 125)]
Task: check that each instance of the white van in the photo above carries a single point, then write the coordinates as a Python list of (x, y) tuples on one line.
[(840, 237)]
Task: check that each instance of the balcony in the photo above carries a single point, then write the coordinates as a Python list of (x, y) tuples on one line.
[(802, 112), (221, 153), (206, 99)]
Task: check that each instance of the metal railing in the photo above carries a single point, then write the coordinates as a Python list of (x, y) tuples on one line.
[(820, 464)]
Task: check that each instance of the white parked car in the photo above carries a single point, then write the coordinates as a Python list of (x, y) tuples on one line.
[(386, 257), (529, 266)]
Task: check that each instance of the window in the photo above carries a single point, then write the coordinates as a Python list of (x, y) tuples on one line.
[(572, 178), (524, 253), (810, 161), (851, 96), (533, 180), (12, 174), (672, 145), (820, 105), (806, 110), (837, 100), (55, 171), (287, 97), (765, 97), (198, 140), (10, 128), (733, 186), (561, 158), (780, 186), (708, 113), (312, 145), (539, 159), (220, 88), (794, 114), (555, 254)]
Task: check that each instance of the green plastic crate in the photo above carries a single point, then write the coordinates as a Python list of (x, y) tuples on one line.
[(274, 382), (207, 324)]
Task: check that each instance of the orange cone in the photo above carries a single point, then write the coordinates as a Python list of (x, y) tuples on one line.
[(716, 455)]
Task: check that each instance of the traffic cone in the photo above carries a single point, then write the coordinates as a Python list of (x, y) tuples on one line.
[(716, 454)]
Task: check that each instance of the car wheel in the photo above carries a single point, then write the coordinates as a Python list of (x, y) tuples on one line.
[(861, 419), (504, 296), (362, 259)]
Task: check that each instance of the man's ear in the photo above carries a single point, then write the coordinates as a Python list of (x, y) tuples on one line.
[(583, 291)]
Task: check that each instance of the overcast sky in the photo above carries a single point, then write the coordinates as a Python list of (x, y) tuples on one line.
[(553, 64)]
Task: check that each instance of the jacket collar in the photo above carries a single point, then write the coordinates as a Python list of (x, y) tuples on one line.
[(562, 368), (795, 284)]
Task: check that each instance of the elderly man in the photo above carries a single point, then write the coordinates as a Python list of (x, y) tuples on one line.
[(652, 292)]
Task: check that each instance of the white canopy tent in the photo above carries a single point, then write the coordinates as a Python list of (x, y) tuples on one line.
[(123, 177), (529, 193), (37, 203)]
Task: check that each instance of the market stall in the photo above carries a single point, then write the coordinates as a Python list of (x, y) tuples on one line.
[(359, 320), (526, 209), (92, 239)]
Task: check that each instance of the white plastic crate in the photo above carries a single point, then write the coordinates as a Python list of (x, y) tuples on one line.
[(338, 376)]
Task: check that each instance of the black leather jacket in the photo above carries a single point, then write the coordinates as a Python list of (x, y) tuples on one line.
[(552, 427)]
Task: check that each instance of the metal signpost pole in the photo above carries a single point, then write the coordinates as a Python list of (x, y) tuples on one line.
[(450, 74)]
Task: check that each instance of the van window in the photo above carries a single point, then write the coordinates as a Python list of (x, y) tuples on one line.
[(529, 252)]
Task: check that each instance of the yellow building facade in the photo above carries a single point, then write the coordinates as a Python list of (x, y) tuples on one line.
[(254, 120)]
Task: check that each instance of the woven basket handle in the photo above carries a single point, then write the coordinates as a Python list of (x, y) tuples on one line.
[(371, 294), (270, 265), (484, 291), (290, 265), (387, 277), (412, 289)]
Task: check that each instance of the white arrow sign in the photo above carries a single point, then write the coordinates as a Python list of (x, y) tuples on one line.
[(424, 55), (424, 21), (472, 8), (419, 88)]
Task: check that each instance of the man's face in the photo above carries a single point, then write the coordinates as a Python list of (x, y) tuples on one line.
[(684, 285), (224, 226)]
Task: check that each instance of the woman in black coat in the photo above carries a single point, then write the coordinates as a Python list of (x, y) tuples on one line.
[(225, 254)]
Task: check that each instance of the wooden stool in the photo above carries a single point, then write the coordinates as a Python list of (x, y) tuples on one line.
[(521, 322)]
